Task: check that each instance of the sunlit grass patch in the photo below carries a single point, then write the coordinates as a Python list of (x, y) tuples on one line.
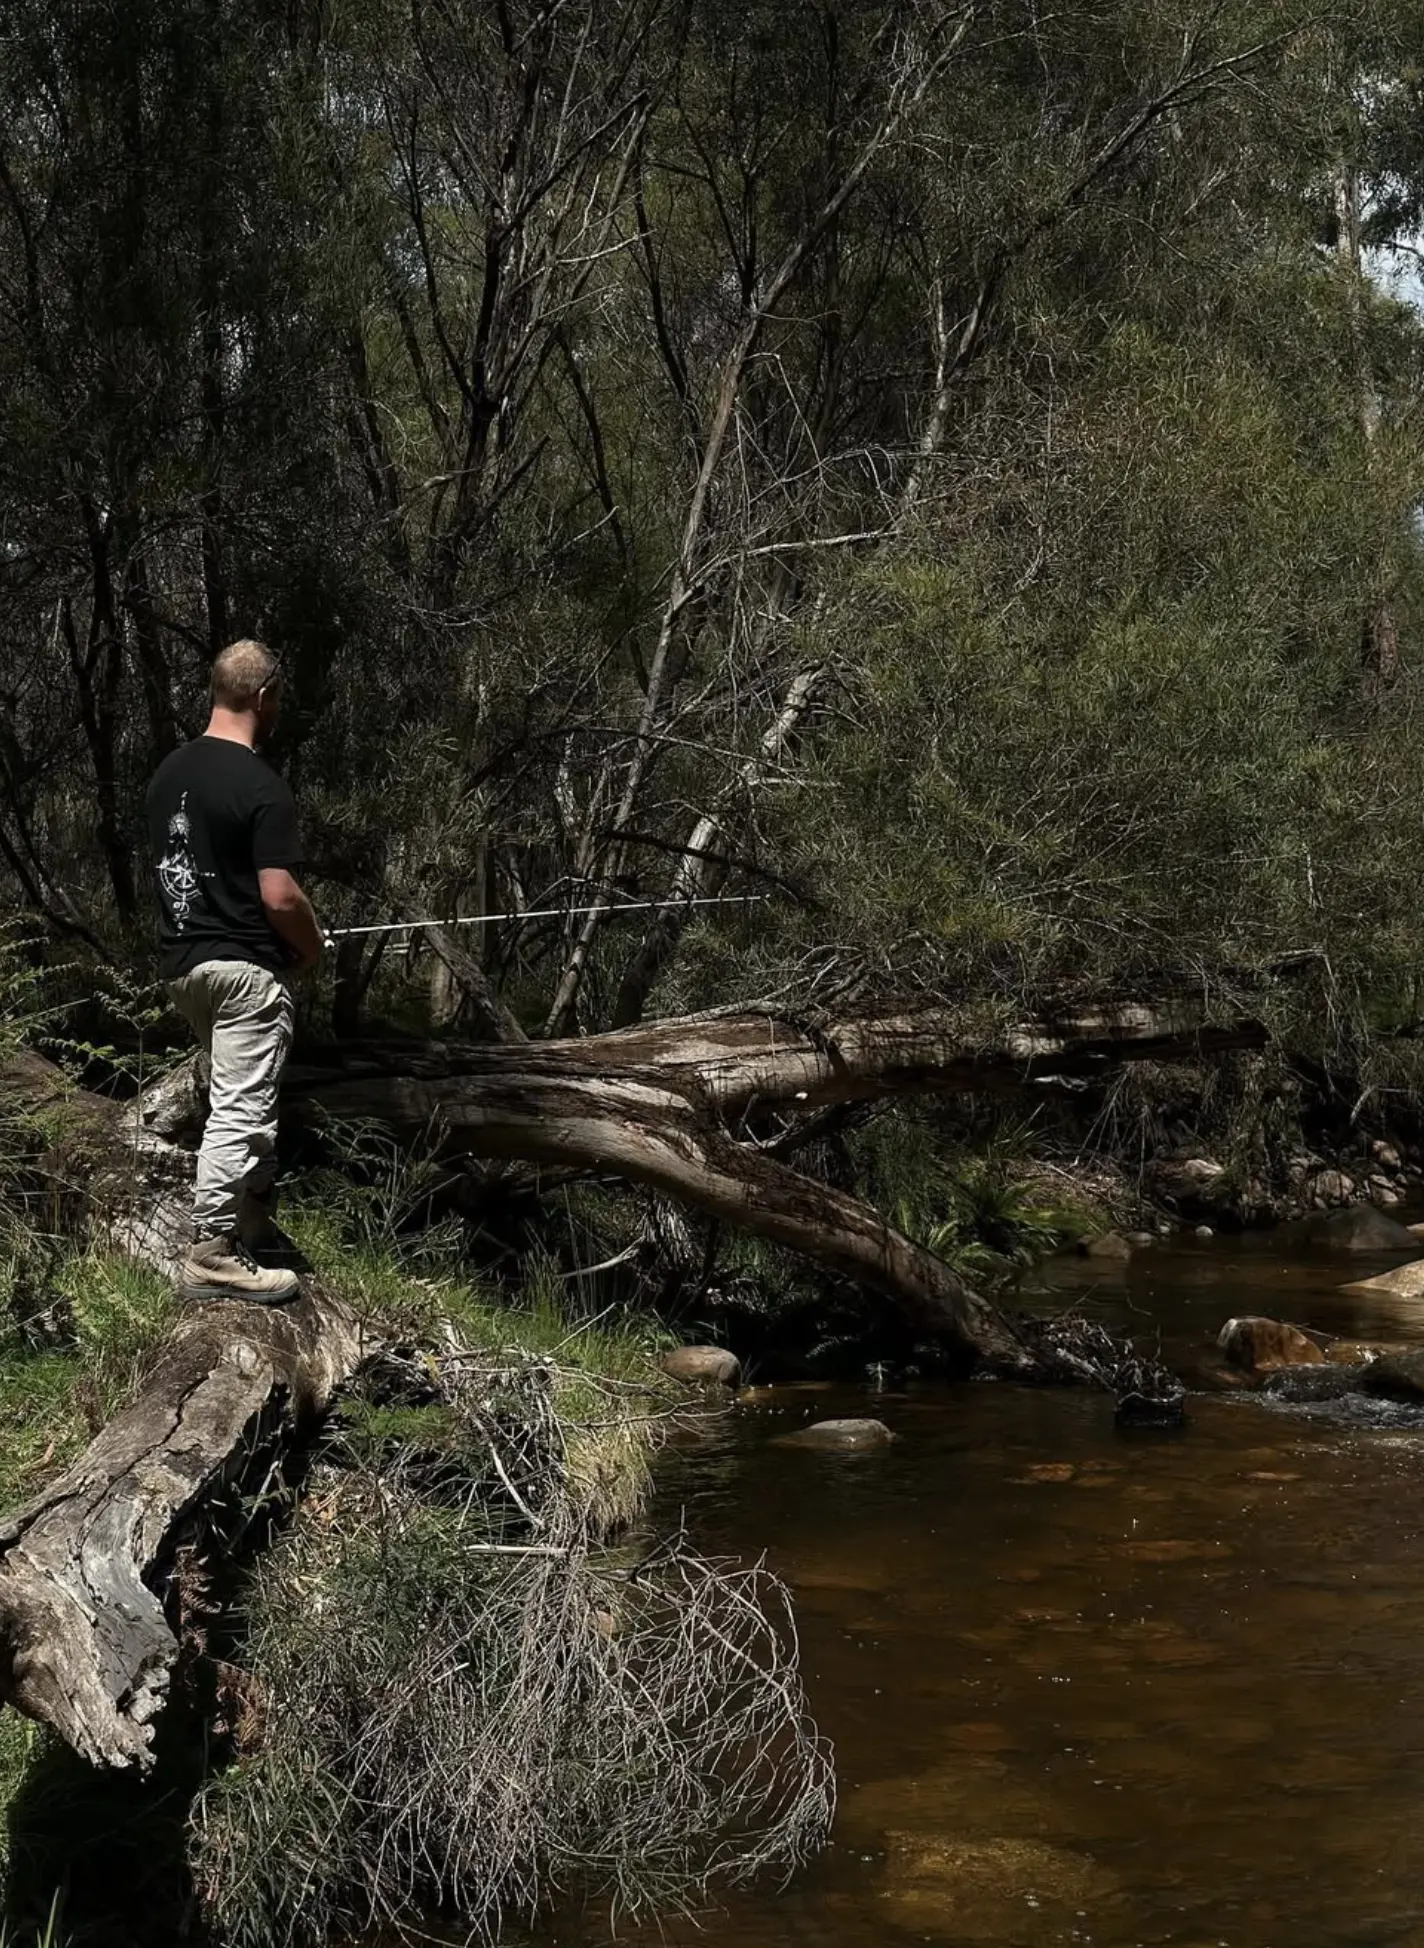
[(72, 1351)]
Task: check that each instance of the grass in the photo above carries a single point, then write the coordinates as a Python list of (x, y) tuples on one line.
[(454, 1695), (47, 1936), (467, 1705), (417, 1292), (75, 1331)]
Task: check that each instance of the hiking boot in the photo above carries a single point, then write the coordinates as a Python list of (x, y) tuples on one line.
[(223, 1268)]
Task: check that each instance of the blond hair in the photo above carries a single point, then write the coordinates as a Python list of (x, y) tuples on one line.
[(241, 670)]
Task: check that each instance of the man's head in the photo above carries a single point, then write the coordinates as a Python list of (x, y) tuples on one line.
[(248, 683)]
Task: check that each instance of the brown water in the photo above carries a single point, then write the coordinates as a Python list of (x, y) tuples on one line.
[(1090, 1690)]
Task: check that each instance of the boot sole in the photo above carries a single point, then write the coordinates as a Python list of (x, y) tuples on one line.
[(199, 1294)]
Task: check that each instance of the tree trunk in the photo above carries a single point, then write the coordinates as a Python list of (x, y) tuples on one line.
[(86, 1644), (661, 1105)]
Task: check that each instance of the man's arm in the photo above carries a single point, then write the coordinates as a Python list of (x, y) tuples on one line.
[(289, 913)]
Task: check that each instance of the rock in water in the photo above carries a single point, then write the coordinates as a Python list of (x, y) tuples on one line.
[(707, 1366), (1111, 1245), (1405, 1282), (843, 1434), (985, 1889), (1263, 1345), (1308, 1384), (1361, 1228), (1401, 1377), (1360, 1352)]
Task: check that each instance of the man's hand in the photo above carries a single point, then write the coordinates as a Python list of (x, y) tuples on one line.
[(289, 914)]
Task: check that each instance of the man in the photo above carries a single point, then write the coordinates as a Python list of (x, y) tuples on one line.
[(236, 926)]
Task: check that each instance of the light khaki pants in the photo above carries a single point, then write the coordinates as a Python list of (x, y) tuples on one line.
[(242, 1016)]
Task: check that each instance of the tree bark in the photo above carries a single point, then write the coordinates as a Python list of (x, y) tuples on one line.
[(86, 1644)]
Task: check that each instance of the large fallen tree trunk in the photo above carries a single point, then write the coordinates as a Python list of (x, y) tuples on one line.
[(665, 1105), (87, 1642)]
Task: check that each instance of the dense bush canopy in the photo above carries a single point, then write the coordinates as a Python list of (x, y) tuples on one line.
[(952, 469)]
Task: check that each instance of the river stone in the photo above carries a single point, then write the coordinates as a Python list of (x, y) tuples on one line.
[(1400, 1377), (1307, 1384), (1404, 1282), (1111, 1245), (1141, 1240), (702, 1365), (984, 1886), (1360, 1352), (1262, 1345), (844, 1434), (1331, 1187), (1198, 1186), (1361, 1228)]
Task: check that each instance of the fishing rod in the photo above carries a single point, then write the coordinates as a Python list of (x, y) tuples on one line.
[(547, 913)]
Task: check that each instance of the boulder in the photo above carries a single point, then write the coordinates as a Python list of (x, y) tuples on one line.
[(1306, 1385), (841, 1434), (1203, 1231), (1196, 1185), (1141, 1240), (1111, 1246), (1261, 1345), (1386, 1156), (1404, 1282), (1329, 1187), (707, 1366), (1400, 1377), (1360, 1352), (1361, 1228)]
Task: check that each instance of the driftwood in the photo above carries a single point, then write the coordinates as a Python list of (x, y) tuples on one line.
[(86, 1642)]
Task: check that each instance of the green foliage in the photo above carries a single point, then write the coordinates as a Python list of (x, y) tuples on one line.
[(971, 1207), (75, 1330), (49, 1936)]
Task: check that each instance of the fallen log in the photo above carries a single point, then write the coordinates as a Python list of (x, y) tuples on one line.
[(669, 1105), (87, 1637), (87, 1645)]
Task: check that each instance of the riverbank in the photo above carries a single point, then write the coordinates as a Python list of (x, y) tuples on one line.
[(443, 1639)]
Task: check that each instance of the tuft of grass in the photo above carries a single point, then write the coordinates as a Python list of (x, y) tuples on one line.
[(72, 1350), (18, 1737), (608, 1452), (463, 1704), (48, 1936)]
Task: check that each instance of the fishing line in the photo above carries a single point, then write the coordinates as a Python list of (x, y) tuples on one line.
[(547, 913)]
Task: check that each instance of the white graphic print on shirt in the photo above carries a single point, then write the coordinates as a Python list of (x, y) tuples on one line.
[(178, 873)]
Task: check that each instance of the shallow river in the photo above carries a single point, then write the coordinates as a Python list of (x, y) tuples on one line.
[(1087, 1689)]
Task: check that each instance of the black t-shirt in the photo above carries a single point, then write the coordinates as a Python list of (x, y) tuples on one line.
[(217, 814)]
